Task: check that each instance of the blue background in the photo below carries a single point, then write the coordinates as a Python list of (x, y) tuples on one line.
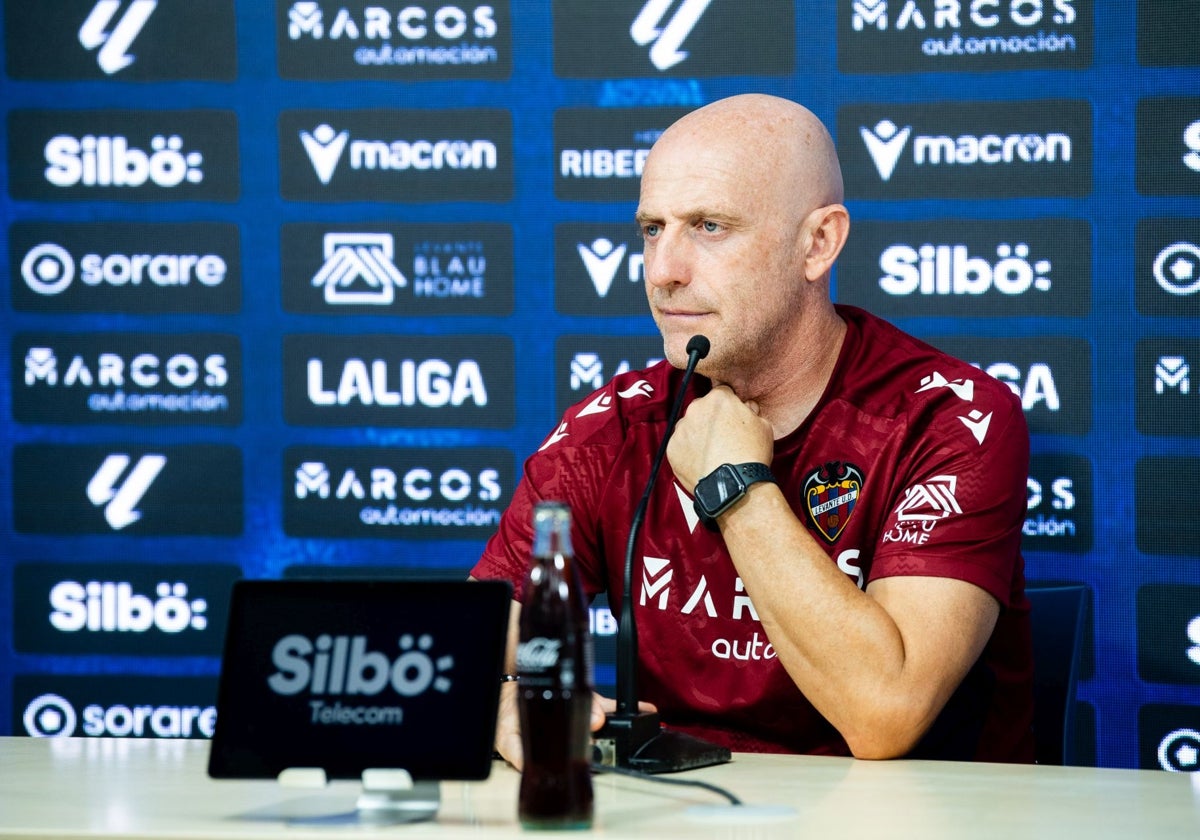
[(1113, 691)]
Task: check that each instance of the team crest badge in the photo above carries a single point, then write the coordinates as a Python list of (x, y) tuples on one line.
[(830, 496)]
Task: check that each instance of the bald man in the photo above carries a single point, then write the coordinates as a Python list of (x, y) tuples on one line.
[(860, 589)]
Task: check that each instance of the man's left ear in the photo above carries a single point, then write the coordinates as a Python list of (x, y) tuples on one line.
[(828, 227)]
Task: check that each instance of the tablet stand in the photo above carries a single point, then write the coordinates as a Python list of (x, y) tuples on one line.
[(388, 797), (391, 796)]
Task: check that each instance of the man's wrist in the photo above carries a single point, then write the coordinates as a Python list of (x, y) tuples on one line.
[(724, 487)]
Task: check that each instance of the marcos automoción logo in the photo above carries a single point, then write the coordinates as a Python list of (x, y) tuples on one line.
[(409, 493), (877, 36), (127, 378), (398, 41)]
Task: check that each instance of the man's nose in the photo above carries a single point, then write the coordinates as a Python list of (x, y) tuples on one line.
[(668, 262)]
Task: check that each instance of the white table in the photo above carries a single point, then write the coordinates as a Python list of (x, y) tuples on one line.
[(83, 788)]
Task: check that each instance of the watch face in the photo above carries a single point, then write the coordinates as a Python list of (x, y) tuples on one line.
[(721, 487)]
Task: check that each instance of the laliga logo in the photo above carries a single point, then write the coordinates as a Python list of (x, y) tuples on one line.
[(666, 52), (344, 665), (113, 45)]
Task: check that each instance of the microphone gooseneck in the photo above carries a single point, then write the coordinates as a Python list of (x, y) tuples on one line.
[(631, 739), (627, 694)]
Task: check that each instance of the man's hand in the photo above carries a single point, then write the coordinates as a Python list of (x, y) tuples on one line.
[(718, 429), (508, 721), (508, 725)]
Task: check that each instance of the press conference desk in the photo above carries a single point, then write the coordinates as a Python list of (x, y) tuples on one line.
[(144, 788)]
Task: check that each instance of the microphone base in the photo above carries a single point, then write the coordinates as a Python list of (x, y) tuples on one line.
[(639, 742)]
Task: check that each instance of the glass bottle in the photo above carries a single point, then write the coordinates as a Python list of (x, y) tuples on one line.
[(554, 664)]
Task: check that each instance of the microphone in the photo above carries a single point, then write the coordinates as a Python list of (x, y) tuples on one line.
[(631, 739)]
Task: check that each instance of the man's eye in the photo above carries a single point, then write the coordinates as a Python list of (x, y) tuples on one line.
[(649, 230), (711, 227)]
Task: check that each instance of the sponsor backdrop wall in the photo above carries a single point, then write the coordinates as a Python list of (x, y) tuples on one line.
[(292, 288)]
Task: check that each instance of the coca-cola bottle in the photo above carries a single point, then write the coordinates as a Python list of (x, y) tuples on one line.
[(554, 665)]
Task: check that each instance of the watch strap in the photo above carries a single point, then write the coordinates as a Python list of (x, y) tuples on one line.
[(754, 471)]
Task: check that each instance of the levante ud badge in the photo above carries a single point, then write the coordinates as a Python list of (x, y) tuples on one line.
[(830, 496)]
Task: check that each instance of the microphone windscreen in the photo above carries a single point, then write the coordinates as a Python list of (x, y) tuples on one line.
[(699, 345)]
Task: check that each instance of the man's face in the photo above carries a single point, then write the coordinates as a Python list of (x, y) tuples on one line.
[(722, 255)]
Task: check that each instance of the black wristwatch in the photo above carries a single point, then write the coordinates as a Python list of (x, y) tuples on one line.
[(720, 489)]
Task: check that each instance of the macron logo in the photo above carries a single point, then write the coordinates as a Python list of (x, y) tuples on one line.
[(120, 501), (601, 260), (114, 45), (324, 147), (885, 142)]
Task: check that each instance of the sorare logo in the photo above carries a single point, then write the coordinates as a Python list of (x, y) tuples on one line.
[(1168, 267), (125, 267), (640, 38), (123, 155), (399, 381), (134, 490), (969, 268), (875, 36), (398, 41), (1169, 737), (393, 269), (137, 41), (116, 706), (1039, 148), (396, 155)]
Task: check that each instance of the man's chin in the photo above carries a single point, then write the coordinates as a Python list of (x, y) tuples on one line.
[(675, 349)]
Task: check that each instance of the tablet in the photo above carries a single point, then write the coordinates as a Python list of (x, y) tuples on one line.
[(355, 675)]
